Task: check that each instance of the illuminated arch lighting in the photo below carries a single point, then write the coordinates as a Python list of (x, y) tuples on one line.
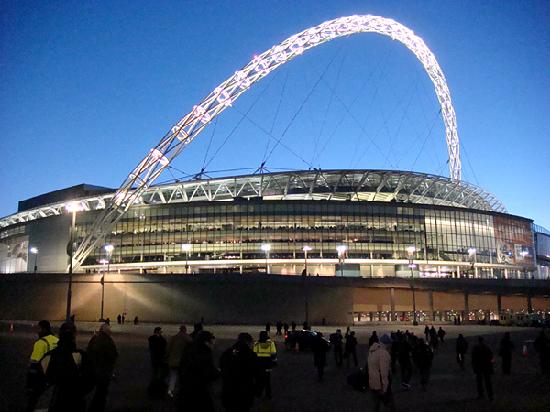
[(223, 96)]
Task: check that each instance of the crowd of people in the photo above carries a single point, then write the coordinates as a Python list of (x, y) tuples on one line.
[(183, 367)]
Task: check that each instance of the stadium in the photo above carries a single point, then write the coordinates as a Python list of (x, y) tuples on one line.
[(381, 226), (368, 223)]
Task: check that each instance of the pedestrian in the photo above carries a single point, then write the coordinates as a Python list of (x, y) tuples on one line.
[(461, 349), (505, 352), (239, 371), (351, 348), (157, 351), (336, 340), (176, 346), (197, 373), (68, 370), (441, 334), (136, 320), (36, 379), (119, 319), (423, 356), (542, 346), (285, 328), (266, 351), (293, 326), (427, 333), (102, 353), (197, 328), (279, 327), (404, 358), (373, 338), (107, 321), (268, 327), (433, 338), (379, 373), (123, 318), (320, 348), (482, 364)]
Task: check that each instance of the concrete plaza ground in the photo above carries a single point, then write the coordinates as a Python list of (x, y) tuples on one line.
[(294, 382)]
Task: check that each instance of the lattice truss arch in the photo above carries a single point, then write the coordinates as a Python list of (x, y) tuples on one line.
[(189, 127)]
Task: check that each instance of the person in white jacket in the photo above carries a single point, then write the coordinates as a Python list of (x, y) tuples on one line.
[(379, 362)]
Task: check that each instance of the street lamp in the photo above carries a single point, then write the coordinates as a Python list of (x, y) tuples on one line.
[(342, 251), (103, 262), (72, 208), (186, 247), (306, 249), (109, 250), (266, 247), (410, 251), (472, 254), (34, 251)]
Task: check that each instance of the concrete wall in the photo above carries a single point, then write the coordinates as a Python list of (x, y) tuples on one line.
[(250, 298)]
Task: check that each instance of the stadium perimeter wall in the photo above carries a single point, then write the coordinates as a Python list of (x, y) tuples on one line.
[(253, 299)]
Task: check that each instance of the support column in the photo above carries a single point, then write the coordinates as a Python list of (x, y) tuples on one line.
[(392, 304), (431, 302), (499, 305), (458, 272), (466, 315)]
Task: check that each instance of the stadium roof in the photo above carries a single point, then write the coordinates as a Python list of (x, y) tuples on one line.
[(335, 185)]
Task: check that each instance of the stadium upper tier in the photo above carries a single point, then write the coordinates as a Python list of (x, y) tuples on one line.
[(335, 185)]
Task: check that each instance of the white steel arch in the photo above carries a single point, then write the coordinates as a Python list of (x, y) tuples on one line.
[(189, 127)]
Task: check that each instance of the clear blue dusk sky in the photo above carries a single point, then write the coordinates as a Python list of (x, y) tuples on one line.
[(86, 88)]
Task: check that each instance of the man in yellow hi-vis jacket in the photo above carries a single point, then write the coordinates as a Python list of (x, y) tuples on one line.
[(36, 381), (266, 353)]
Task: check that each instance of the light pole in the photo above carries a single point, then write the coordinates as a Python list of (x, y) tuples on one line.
[(266, 247), (72, 207), (109, 251), (410, 252), (306, 249), (103, 262), (472, 254), (342, 250), (34, 251), (186, 248)]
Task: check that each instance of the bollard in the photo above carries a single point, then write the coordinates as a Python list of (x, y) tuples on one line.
[(524, 351), (11, 327)]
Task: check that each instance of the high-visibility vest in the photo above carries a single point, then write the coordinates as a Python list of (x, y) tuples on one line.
[(43, 346), (265, 349)]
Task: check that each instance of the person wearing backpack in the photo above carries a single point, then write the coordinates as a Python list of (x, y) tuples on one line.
[(69, 371), (36, 380)]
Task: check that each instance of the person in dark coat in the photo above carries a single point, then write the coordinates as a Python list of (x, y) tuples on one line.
[(239, 371), (423, 356), (351, 348), (336, 340), (441, 334), (373, 338), (159, 366), (404, 358), (461, 349), (482, 364), (197, 372), (433, 338), (197, 328), (103, 354), (542, 346), (320, 348), (69, 371), (427, 333), (293, 326), (505, 352)]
